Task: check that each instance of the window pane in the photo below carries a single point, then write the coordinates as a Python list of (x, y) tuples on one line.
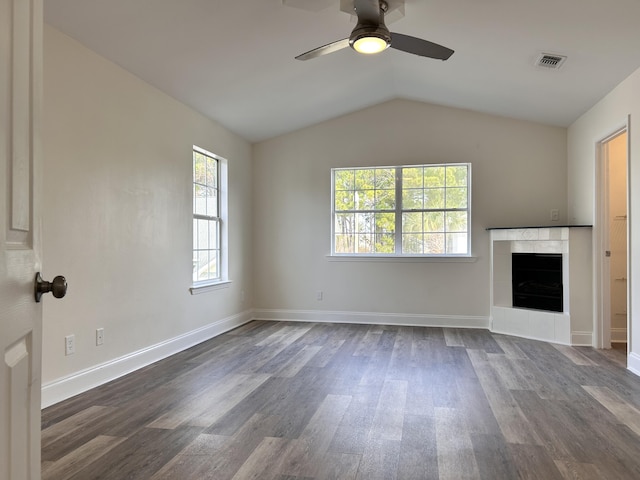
[(412, 244), (365, 243), (434, 198), (434, 176), (344, 200), (199, 199), (202, 266), (385, 243), (212, 172), (385, 199), (199, 168), (213, 235), (434, 243), (456, 221), (385, 222), (214, 257), (344, 243), (365, 179), (456, 197), (412, 199), (203, 234), (195, 237), (412, 222), (345, 223), (412, 177), (385, 179), (457, 176), (364, 199), (344, 180), (434, 221), (364, 222), (212, 204), (457, 243)]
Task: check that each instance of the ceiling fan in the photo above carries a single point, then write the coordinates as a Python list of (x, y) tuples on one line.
[(371, 35)]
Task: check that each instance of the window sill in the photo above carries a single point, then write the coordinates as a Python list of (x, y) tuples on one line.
[(402, 259), (209, 287)]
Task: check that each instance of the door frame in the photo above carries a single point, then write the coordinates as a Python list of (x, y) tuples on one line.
[(602, 280)]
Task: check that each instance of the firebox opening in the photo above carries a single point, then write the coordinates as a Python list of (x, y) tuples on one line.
[(537, 281)]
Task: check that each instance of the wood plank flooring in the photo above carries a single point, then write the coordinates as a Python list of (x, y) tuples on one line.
[(286, 400)]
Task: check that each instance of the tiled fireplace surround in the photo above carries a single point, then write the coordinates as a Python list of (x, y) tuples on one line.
[(573, 326)]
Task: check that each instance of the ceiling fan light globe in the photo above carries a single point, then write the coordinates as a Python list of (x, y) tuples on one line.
[(370, 45)]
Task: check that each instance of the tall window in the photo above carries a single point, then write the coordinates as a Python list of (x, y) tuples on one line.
[(410, 210), (206, 217)]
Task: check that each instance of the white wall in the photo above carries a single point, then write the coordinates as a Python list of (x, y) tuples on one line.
[(601, 120), (117, 217), (519, 175)]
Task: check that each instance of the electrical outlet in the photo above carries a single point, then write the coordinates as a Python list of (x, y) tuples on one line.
[(69, 344), (319, 295), (555, 215), (99, 336)]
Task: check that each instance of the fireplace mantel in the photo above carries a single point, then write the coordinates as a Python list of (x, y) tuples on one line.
[(573, 326)]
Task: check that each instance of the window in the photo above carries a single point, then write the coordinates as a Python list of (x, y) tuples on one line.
[(411, 210), (206, 217)]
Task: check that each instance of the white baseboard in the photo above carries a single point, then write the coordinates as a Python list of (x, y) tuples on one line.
[(633, 363), (66, 387), (582, 339), (401, 319)]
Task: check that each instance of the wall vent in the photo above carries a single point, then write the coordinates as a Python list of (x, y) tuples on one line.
[(550, 61)]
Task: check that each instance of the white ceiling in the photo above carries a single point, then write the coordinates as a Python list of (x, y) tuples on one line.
[(233, 60)]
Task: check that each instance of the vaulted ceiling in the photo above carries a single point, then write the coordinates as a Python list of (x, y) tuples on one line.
[(233, 60)]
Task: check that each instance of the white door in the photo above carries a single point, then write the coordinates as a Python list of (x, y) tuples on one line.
[(20, 315)]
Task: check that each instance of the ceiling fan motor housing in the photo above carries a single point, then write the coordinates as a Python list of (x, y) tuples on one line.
[(368, 31)]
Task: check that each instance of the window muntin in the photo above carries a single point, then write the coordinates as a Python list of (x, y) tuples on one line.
[(206, 218), (409, 210)]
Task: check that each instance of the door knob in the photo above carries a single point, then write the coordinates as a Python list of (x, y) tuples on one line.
[(58, 287)]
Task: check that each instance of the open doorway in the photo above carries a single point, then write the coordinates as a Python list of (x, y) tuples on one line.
[(613, 230)]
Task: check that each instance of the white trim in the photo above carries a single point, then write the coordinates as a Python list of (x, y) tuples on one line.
[(374, 318), (633, 363), (403, 258), (581, 339), (209, 287), (66, 387)]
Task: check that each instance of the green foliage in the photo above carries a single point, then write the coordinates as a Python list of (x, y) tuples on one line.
[(205, 170)]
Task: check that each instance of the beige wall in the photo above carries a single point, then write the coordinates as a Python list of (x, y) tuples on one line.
[(117, 213), (518, 174), (603, 119)]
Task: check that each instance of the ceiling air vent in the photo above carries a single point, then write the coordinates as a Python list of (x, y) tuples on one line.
[(550, 61)]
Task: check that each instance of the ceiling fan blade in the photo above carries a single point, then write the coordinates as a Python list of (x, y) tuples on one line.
[(418, 46), (368, 11), (324, 50)]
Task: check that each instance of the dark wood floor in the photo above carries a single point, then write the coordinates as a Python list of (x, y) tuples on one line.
[(323, 401)]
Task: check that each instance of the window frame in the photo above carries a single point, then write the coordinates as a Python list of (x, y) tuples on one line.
[(217, 220), (398, 211)]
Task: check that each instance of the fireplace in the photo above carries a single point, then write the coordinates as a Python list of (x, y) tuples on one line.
[(537, 281), (568, 317)]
